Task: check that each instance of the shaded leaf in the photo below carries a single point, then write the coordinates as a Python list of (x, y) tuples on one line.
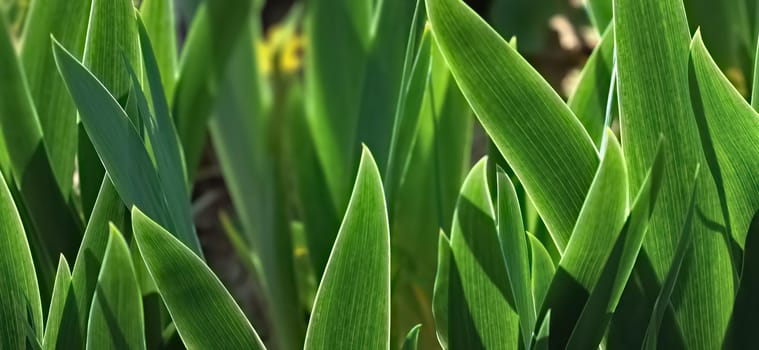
[(519, 111), (116, 318)]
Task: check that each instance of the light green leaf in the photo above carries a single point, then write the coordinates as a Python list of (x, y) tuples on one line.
[(108, 209), (415, 79), (53, 228), (477, 253), (589, 100), (352, 306), (111, 35), (652, 40), (210, 41), (246, 140), (338, 36), (602, 302), (542, 271), (20, 307), (453, 320), (600, 13), (668, 286), (600, 223), (519, 111), (116, 319), (383, 81), (61, 292), (514, 248), (731, 129), (160, 24), (755, 80), (412, 339), (205, 314), (67, 21)]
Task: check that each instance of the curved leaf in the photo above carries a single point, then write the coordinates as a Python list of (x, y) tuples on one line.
[(352, 306), (600, 222), (519, 111), (20, 307), (204, 313)]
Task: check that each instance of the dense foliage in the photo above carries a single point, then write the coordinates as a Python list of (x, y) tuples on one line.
[(622, 217)]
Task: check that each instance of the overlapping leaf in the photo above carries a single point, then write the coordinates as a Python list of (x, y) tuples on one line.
[(652, 55), (520, 111)]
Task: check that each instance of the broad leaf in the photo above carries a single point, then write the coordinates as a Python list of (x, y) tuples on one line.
[(519, 111), (352, 306), (204, 313), (652, 40), (120, 146)]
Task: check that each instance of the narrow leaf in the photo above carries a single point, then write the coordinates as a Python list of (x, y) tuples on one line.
[(61, 292), (20, 307), (116, 319)]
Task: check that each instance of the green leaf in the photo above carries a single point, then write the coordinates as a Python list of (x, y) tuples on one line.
[(412, 339), (477, 253), (119, 145), (415, 79), (160, 24), (730, 129), (352, 306), (600, 12), (652, 40), (61, 290), (164, 143), (338, 35), (205, 314), (606, 294), (542, 271), (453, 320), (668, 286), (514, 248), (519, 111), (210, 42), (755, 80), (67, 21), (116, 319), (111, 35), (589, 100), (383, 80), (108, 209), (600, 223), (20, 307), (247, 143), (54, 228)]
